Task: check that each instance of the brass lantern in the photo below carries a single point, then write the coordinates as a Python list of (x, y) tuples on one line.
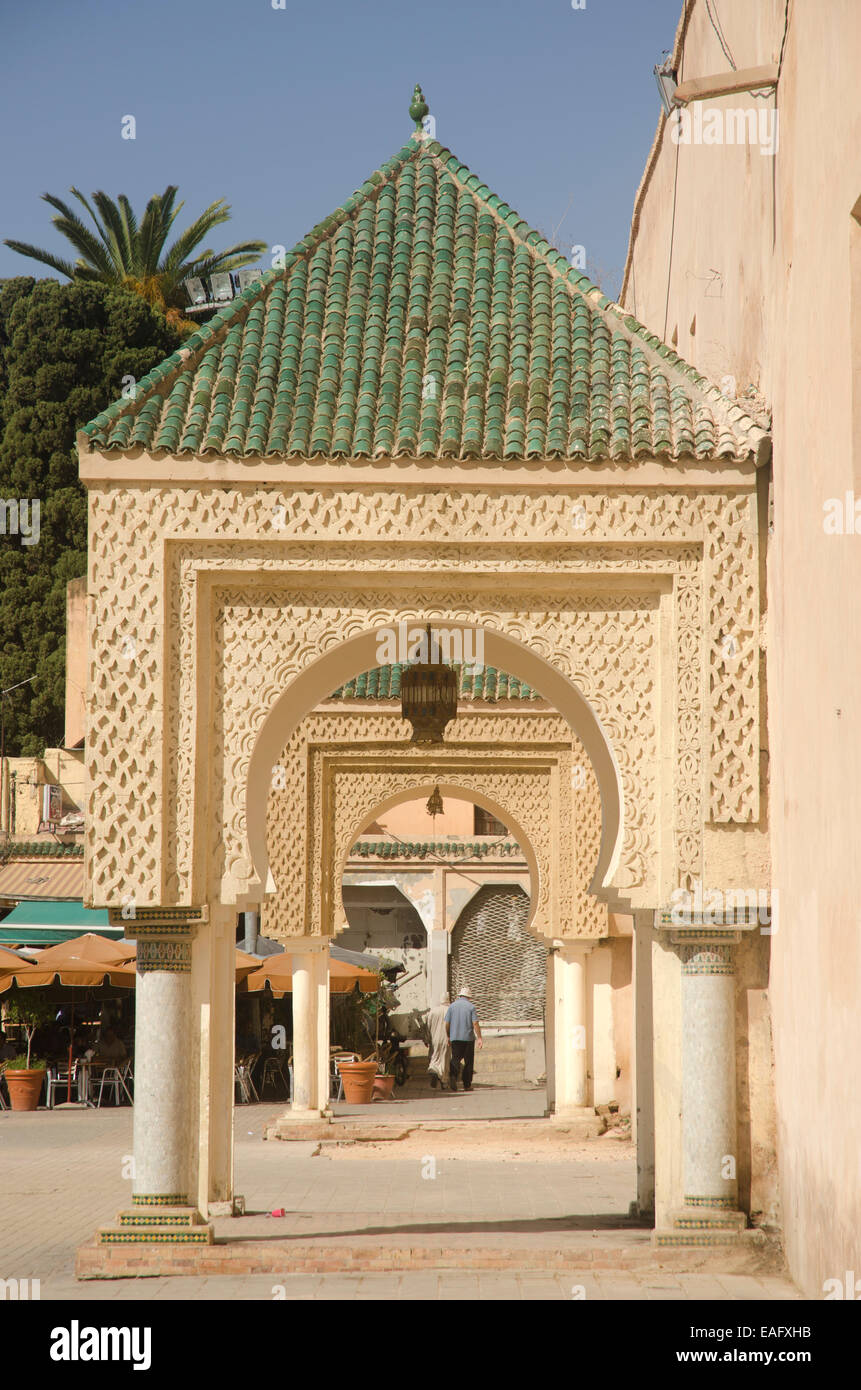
[(429, 698)]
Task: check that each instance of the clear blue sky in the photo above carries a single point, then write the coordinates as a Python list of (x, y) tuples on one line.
[(285, 112)]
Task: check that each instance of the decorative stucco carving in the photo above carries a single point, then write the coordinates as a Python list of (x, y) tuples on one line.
[(223, 596)]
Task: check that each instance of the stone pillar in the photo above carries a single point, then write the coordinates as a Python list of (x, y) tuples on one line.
[(603, 1049), (643, 1108), (162, 1066), (165, 1118), (304, 1003), (213, 1001), (709, 1133), (550, 1032), (709, 1211), (310, 1001), (570, 1028)]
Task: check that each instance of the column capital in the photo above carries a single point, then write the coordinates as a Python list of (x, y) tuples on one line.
[(159, 923), (573, 948), (307, 945)]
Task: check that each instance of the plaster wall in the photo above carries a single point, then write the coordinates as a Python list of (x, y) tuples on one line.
[(76, 661), (784, 316)]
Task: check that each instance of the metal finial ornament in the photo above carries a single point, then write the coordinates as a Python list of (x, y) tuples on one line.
[(435, 805), (419, 107)]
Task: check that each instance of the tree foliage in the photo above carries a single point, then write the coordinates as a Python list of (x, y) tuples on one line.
[(125, 253), (64, 350)]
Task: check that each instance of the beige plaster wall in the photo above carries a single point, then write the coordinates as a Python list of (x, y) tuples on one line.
[(25, 778), (781, 236), (621, 981), (76, 661)]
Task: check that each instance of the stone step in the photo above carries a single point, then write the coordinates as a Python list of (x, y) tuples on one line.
[(581, 1252), (179, 1218), (154, 1234)]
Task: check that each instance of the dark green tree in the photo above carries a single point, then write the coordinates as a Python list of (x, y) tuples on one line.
[(64, 350)]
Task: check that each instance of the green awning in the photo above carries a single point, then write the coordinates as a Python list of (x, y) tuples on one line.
[(46, 923)]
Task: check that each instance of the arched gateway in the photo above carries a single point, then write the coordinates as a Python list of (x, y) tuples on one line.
[(423, 415)]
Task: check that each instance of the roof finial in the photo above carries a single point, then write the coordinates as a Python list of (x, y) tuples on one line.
[(418, 107)]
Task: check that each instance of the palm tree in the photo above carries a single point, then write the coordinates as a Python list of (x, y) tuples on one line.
[(132, 256)]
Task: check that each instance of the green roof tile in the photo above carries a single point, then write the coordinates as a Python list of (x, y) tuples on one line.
[(425, 318)]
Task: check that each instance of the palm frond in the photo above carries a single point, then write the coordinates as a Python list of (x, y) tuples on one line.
[(121, 248), (186, 242), (35, 253)]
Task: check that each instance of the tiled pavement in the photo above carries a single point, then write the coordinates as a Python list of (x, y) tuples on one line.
[(61, 1176)]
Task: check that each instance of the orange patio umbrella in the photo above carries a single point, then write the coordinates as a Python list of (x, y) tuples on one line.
[(58, 965), (277, 972)]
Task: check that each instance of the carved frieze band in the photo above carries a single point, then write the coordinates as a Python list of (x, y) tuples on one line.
[(144, 667), (157, 954)]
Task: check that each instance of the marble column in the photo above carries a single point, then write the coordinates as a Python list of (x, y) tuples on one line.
[(709, 1133), (162, 1066), (569, 1008), (602, 1031), (310, 1003)]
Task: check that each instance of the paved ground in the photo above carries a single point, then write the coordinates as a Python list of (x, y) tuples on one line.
[(66, 1173)]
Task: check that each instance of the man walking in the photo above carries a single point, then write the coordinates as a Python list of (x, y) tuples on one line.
[(440, 1057), (462, 1029)]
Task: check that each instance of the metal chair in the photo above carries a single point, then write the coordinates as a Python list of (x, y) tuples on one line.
[(114, 1078), (242, 1076), (337, 1078), (273, 1068), (58, 1079)]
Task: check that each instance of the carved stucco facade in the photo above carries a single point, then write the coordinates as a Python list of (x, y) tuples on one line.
[(646, 596), (341, 765)]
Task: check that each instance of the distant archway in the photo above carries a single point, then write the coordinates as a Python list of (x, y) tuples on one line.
[(334, 668)]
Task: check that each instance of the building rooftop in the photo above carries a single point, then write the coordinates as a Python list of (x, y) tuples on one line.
[(425, 319)]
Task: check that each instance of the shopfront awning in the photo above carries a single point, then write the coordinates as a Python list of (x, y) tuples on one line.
[(40, 879), (46, 923)]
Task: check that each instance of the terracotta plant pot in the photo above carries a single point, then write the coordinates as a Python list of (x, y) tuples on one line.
[(383, 1087), (358, 1080), (25, 1087)]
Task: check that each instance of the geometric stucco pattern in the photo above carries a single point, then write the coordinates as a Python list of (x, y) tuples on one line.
[(331, 778), (226, 594)]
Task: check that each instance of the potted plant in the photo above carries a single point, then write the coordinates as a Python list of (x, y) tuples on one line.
[(384, 1081), (358, 1079), (25, 1074)]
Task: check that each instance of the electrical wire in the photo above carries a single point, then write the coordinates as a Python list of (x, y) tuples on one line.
[(718, 28)]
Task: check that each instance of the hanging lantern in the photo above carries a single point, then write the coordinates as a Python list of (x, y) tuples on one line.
[(434, 805), (429, 697)]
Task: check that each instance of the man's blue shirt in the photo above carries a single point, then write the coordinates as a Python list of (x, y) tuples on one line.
[(460, 1016)]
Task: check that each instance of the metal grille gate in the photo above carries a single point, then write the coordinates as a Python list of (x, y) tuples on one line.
[(493, 953)]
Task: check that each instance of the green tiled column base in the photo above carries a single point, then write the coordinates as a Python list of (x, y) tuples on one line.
[(160, 1199), (201, 1235), (717, 1203)]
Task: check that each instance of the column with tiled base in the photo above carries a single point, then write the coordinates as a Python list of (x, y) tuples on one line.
[(567, 978), (162, 1212), (710, 1214), (309, 1100)]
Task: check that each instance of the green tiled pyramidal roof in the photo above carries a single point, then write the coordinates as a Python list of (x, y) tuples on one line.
[(425, 319), (384, 683)]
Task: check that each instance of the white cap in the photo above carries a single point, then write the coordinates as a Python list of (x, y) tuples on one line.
[(465, 993)]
